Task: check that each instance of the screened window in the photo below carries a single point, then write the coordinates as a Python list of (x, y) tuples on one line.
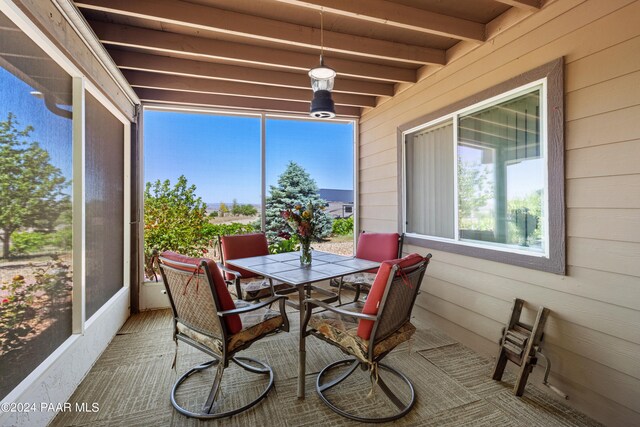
[(35, 205), (477, 179), (104, 204)]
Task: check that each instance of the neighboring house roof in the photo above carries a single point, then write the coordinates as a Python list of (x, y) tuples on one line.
[(333, 195)]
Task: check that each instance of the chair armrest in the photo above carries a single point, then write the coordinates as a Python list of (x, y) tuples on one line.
[(252, 307), (310, 303), (226, 269)]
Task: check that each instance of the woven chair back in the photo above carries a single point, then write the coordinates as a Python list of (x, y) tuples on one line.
[(191, 296), (401, 294)]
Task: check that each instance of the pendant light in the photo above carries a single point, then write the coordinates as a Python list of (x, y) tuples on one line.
[(322, 78)]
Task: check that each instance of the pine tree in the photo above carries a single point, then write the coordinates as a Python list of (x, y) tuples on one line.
[(295, 187)]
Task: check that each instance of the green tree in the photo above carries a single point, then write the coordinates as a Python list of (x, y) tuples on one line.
[(295, 187), (235, 207), (474, 191), (31, 188), (530, 231), (223, 209), (174, 218), (246, 210)]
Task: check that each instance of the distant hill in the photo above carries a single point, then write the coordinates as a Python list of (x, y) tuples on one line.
[(216, 206)]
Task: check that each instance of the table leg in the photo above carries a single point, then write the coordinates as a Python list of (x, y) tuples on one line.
[(302, 354)]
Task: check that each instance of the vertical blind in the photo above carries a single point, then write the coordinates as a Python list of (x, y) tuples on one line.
[(430, 180)]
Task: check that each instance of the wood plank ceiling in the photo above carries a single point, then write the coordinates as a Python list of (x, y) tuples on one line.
[(255, 54)]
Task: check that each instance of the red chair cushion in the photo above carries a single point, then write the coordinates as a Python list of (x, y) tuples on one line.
[(243, 246), (377, 247), (234, 324), (378, 288)]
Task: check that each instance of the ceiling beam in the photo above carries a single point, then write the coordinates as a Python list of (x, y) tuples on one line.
[(199, 47), (398, 15), (252, 27), (530, 5), (221, 87), (187, 67), (225, 101)]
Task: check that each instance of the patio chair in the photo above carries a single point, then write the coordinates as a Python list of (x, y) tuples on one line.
[(374, 247), (248, 286), (369, 331), (206, 318)]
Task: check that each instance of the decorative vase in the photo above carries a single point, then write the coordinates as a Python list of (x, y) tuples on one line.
[(305, 253)]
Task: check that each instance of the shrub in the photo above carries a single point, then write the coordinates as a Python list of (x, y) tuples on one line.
[(28, 242), (246, 210), (342, 226), (211, 231), (284, 245), (33, 189), (62, 239), (18, 314), (174, 219)]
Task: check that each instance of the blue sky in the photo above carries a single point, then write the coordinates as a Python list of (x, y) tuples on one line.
[(221, 154), (52, 132)]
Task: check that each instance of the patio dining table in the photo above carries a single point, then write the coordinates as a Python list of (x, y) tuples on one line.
[(285, 267)]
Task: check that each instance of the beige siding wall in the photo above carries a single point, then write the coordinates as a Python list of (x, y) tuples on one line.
[(593, 336)]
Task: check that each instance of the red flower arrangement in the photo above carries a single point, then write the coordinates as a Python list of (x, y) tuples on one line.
[(302, 223)]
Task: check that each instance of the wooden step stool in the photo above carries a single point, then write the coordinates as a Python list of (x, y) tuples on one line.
[(519, 344)]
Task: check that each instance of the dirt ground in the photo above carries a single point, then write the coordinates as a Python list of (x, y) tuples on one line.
[(338, 245)]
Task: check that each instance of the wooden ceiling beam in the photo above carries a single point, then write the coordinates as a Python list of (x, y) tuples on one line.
[(199, 47), (208, 18), (530, 5), (397, 15), (186, 67), (220, 87), (225, 101)]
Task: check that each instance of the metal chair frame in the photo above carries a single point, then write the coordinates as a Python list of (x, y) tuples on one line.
[(219, 361), (359, 286), (237, 276), (415, 273)]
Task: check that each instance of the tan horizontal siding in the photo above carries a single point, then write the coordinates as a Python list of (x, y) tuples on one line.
[(617, 321), (615, 94), (381, 158), (605, 255), (588, 71), (579, 281), (381, 226), (378, 212), (389, 170), (605, 224), (581, 340), (622, 192), (621, 158), (593, 334), (601, 129), (378, 185), (379, 199)]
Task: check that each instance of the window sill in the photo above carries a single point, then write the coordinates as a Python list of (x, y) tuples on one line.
[(553, 264)]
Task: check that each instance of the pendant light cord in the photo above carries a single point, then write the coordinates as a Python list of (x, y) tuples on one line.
[(321, 37)]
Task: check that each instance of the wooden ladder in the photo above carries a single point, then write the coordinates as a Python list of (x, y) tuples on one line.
[(519, 344)]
